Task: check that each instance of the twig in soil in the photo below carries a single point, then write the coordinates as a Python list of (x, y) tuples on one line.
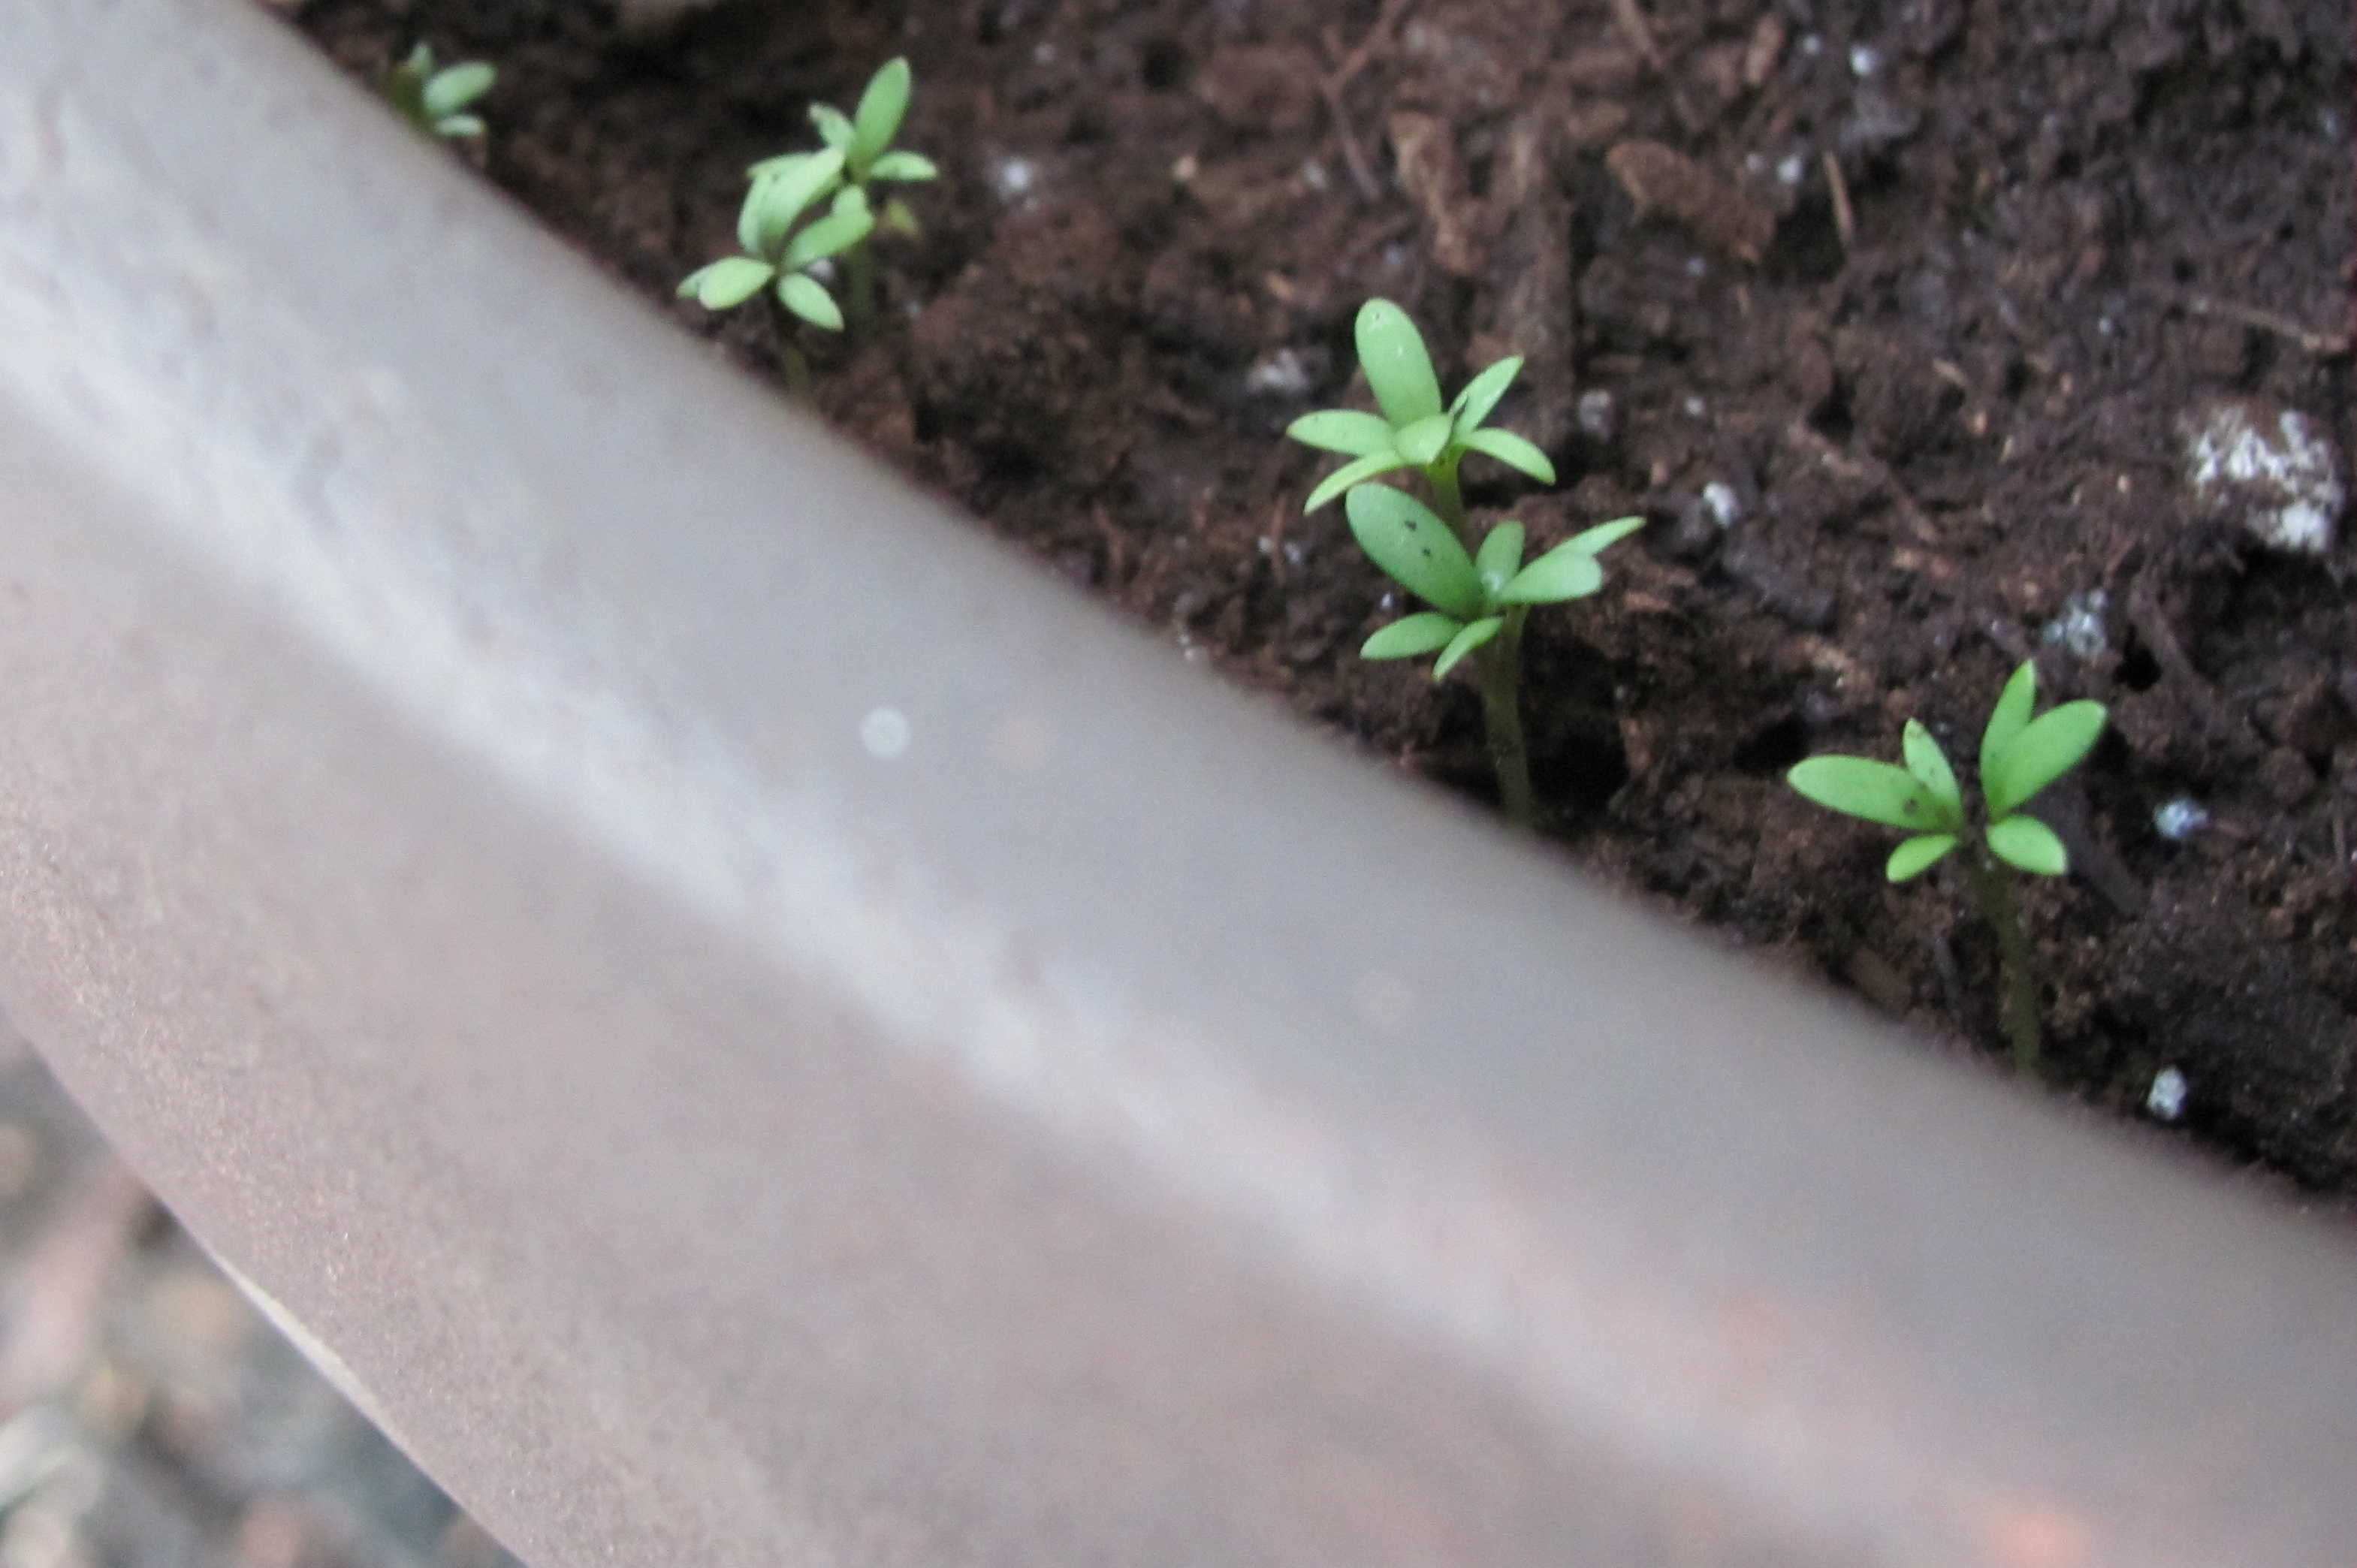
[(1631, 19), (1354, 157), (2323, 345), (1845, 215), (2145, 615), (1377, 39)]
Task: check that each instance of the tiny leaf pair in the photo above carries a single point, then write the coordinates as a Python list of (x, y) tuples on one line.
[(784, 191), (864, 137), (1414, 431), (1473, 594), (2019, 755), (435, 100)]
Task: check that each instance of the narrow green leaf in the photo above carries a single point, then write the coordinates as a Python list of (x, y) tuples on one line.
[(904, 166), (1407, 638), (1397, 367), (1465, 642), (779, 165), (1342, 430), (1596, 540), (1565, 572), (807, 299), (2029, 843), (1500, 557), (1403, 536), (1512, 451), (831, 235), (457, 125), (450, 90), (1861, 787), (1917, 855), (726, 282), (1930, 763), (897, 219), (1423, 441), (1482, 394), (2009, 717), (779, 198), (833, 125), (2054, 743), (878, 118), (1350, 474)]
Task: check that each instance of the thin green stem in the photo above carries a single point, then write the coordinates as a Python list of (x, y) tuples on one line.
[(1448, 501), (1499, 662), (1992, 892), (791, 361), (860, 262)]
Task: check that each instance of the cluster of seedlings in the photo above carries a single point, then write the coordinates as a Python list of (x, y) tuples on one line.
[(808, 221)]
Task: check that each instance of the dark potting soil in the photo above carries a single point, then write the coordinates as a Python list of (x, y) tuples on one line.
[(1898, 319)]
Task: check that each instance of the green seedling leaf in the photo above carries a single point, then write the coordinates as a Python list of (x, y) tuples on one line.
[(1595, 541), (1414, 635), (805, 298), (849, 223), (779, 198), (2008, 718), (1342, 430), (726, 282), (833, 125), (783, 162), (877, 119), (1482, 394), (449, 91), (1500, 557), (1512, 451), (1399, 369), (898, 220), (1917, 855), (457, 125), (1352, 474), (1565, 572), (906, 166), (2053, 743), (1930, 765), (1861, 787), (2029, 843), (1425, 440), (1465, 642), (1401, 534)]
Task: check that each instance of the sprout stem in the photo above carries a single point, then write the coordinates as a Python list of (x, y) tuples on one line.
[(790, 359), (1992, 893), (1450, 501), (1499, 662), (860, 262)]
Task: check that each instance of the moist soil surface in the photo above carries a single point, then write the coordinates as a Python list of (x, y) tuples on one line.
[(1900, 322)]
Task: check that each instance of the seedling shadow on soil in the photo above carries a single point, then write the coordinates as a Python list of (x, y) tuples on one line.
[(1904, 327)]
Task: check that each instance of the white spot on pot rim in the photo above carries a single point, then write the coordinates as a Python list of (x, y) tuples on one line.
[(2270, 469), (885, 732), (2181, 819), (2167, 1098)]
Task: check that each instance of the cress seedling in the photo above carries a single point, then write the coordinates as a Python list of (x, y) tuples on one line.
[(436, 101), (1414, 431), (864, 137), (2020, 755), (780, 250)]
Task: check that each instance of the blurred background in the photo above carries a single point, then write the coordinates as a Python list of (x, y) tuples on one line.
[(149, 1416)]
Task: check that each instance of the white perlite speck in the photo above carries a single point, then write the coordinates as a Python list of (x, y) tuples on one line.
[(2167, 1099), (2080, 627), (2270, 469), (2181, 819)]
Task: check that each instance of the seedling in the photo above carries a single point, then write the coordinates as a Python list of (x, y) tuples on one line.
[(2019, 755), (1414, 431), (1480, 595), (864, 137), (780, 250), (435, 100), (1479, 602)]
